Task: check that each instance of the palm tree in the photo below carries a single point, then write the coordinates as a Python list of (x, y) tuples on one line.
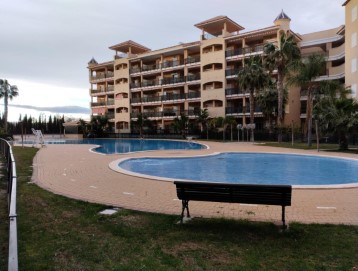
[(339, 115), (267, 101), (203, 119), (7, 92), (281, 58), (180, 124), (305, 75), (98, 125), (253, 77)]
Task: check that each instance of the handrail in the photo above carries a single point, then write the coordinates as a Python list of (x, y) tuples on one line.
[(6, 150)]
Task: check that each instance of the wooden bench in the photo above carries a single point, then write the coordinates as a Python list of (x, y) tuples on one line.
[(234, 193)]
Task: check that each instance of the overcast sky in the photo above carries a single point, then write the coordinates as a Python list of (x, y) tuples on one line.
[(45, 45)]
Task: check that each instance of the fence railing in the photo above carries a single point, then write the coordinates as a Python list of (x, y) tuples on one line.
[(6, 151)]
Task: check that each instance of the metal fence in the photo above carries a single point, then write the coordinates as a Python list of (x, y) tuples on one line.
[(6, 151)]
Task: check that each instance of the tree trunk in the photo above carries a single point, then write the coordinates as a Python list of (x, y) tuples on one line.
[(279, 104), (252, 112), (309, 117), (231, 131), (343, 141)]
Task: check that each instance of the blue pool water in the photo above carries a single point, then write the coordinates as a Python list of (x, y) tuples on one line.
[(110, 146), (256, 168)]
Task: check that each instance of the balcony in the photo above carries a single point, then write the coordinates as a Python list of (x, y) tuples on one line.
[(167, 113), (150, 83), (173, 80), (231, 72), (134, 70), (151, 99), (336, 53), (192, 60), (171, 64), (239, 110), (193, 77), (166, 81), (96, 104), (110, 115), (102, 76), (193, 95), (333, 73), (244, 51), (135, 85), (151, 67), (233, 91), (234, 110), (173, 97), (96, 91)]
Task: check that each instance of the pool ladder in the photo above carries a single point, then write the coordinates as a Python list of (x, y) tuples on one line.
[(39, 137)]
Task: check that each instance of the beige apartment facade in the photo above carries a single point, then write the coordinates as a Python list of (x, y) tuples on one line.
[(182, 79)]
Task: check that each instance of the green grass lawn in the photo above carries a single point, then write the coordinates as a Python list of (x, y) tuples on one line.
[(57, 233), (303, 146)]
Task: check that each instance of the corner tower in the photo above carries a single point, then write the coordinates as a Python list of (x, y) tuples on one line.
[(283, 21)]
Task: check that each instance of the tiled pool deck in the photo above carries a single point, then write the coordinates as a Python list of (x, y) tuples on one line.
[(74, 171)]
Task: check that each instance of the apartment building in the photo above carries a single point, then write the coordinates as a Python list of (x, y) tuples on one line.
[(187, 77), (351, 45)]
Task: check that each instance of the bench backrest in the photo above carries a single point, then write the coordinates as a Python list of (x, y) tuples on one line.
[(239, 193)]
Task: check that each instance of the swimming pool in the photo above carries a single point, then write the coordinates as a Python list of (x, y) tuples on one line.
[(255, 168), (111, 146)]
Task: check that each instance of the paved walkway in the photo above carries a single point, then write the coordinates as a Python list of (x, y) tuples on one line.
[(74, 171)]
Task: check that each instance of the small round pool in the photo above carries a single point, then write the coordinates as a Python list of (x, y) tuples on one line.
[(111, 146), (254, 168)]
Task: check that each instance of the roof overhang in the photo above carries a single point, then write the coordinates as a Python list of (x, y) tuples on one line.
[(214, 26), (346, 2), (123, 47)]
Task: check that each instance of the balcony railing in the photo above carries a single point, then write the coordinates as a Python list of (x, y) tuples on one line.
[(167, 113), (134, 70), (150, 67), (172, 97), (173, 80), (94, 104), (231, 72), (244, 51), (167, 97), (110, 115), (165, 65), (239, 110), (166, 81), (192, 59), (193, 95), (193, 77), (173, 63), (150, 83), (109, 102), (102, 75), (150, 99), (233, 91)]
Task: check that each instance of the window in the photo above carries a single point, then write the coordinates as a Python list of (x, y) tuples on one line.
[(354, 13), (354, 65), (354, 90), (354, 39)]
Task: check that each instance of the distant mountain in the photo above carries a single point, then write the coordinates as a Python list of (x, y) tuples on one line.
[(71, 109)]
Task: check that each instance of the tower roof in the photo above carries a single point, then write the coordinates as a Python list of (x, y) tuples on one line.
[(92, 61), (281, 16)]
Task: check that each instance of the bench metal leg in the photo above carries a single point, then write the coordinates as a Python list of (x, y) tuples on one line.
[(185, 205), (283, 218)]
